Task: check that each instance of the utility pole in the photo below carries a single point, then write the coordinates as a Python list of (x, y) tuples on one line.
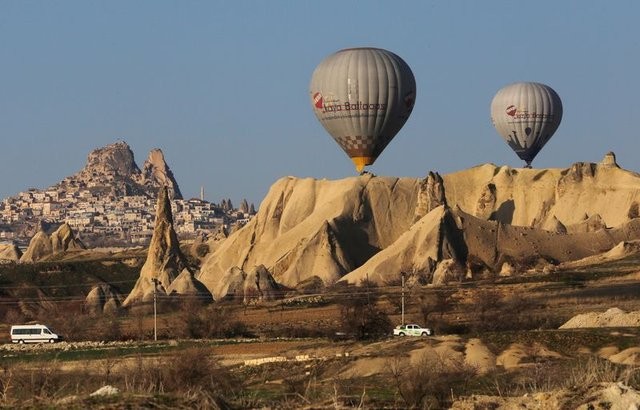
[(402, 274), (155, 311)]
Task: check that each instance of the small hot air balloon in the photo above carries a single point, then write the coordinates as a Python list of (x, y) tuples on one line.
[(526, 115), (362, 97)]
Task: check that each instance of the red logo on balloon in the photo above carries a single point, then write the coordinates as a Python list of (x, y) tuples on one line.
[(511, 110), (410, 99), (317, 100)]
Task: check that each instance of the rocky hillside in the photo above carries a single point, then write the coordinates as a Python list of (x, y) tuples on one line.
[(477, 220), (112, 170)]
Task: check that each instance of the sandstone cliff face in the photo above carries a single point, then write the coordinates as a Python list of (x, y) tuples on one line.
[(466, 240), (308, 227), (165, 262), (433, 238), (532, 197), (478, 219), (42, 246)]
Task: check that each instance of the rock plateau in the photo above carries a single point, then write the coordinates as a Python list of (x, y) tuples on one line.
[(482, 219)]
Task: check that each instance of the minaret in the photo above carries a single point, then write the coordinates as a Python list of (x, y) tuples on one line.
[(202, 193)]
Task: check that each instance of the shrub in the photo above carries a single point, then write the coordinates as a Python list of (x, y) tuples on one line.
[(439, 301), (202, 250), (431, 382), (189, 370), (212, 321), (40, 381), (67, 319), (359, 314)]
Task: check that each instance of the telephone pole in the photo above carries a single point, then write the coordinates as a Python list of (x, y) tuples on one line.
[(155, 311), (402, 274)]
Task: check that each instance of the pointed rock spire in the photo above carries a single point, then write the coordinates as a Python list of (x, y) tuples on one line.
[(156, 171), (165, 261), (431, 195)]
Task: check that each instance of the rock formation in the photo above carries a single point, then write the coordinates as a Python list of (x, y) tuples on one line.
[(259, 286), (588, 224), (186, 285), (206, 242), (434, 238), (231, 285), (113, 170), (103, 298), (114, 160), (42, 246), (64, 239), (165, 262), (366, 226), (609, 161), (487, 202), (9, 252), (39, 248), (254, 287), (430, 194), (244, 206), (528, 197), (554, 225), (308, 227), (448, 270), (155, 171), (487, 244)]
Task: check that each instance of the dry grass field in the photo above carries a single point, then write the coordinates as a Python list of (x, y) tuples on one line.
[(496, 345)]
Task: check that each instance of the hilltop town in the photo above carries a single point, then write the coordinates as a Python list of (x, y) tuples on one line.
[(112, 201)]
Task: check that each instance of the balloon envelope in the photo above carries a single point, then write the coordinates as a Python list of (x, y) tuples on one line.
[(362, 97), (526, 115)]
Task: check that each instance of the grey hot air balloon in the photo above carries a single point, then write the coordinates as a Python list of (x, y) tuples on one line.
[(362, 97), (526, 115)]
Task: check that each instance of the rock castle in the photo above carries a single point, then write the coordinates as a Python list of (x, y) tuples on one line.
[(112, 201)]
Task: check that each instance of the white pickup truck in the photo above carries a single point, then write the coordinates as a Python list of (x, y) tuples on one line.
[(412, 330)]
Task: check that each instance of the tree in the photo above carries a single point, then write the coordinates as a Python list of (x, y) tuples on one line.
[(359, 313), (438, 301)]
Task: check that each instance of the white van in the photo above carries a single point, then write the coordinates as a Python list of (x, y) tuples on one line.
[(33, 334)]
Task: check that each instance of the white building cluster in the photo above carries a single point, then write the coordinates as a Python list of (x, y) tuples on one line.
[(130, 217)]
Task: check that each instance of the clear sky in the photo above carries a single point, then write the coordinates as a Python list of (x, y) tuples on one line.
[(222, 87)]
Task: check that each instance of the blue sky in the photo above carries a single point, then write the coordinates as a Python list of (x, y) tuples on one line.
[(222, 87)]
